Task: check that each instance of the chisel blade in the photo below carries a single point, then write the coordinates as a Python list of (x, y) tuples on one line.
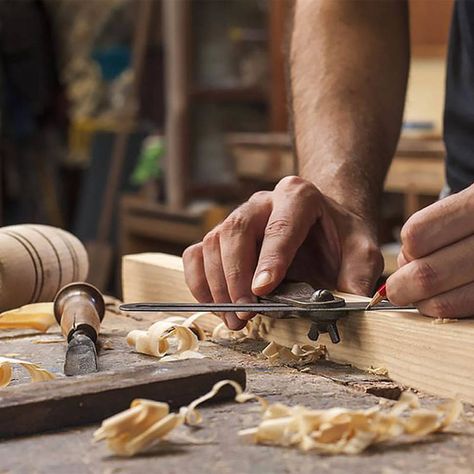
[(81, 355)]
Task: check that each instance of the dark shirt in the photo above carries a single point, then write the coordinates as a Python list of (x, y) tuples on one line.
[(459, 105)]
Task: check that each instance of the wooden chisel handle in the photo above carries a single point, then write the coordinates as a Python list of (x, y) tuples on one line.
[(79, 306)]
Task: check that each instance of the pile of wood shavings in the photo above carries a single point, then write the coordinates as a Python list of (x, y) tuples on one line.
[(297, 355), (331, 431), (172, 338), (147, 422), (37, 374), (344, 431)]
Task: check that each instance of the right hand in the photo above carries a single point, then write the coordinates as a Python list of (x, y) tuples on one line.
[(293, 231)]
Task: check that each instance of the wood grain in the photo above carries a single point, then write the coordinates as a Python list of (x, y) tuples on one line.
[(73, 401), (436, 358)]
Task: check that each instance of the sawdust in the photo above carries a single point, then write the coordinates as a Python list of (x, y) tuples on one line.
[(37, 374), (444, 320), (39, 316)]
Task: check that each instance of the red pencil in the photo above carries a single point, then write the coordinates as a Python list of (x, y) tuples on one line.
[(380, 294)]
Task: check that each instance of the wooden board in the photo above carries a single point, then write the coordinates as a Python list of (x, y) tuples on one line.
[(73, 401), (437, 358)]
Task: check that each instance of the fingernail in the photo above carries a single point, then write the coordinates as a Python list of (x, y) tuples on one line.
[(245, 316), (233, 322), (262, 279)]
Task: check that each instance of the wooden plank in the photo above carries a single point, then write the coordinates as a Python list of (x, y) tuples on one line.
[(437, 358), (73, 401)]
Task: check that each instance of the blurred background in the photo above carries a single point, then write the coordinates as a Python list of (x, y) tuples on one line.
[(140, 124)]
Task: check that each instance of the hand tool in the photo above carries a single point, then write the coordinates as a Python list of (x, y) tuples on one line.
[(380, 295), (289, 300), (79, 308)]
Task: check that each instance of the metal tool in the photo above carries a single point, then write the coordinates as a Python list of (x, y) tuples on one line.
[(79, 308), (289, 300)]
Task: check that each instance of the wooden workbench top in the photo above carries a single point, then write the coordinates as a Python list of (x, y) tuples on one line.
[(324, 385)]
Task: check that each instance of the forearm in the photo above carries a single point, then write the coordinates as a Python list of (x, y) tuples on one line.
[(348, 69)]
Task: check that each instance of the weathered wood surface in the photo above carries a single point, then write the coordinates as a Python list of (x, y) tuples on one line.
[(73, 451), (437, 358), (73, 401)]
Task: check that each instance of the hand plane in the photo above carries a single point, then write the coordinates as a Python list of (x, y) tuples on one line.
[(290, 300)]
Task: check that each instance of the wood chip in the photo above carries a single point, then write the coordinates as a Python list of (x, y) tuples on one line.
[(172, 338), (37, 374), (39, 316)]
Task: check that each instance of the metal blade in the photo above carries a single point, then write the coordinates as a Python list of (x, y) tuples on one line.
[(252, 308), (81, 355)]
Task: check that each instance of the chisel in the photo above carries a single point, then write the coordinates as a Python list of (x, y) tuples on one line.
[(79, 308)]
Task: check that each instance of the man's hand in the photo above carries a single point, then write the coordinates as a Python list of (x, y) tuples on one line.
[(436, 262), (293, 230)]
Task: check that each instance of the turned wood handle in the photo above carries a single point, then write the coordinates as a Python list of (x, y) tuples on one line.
[(79, 306)]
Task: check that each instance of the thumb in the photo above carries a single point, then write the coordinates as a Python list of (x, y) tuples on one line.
[(360, 269)]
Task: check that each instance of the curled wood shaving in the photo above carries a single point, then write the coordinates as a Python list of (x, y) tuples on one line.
[(344, 431), (37, 374), (222, 332), (297, 355), (147, 422), (170, 339), (39, 316)]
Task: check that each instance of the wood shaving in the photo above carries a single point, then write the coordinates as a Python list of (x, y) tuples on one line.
[(297, 355), (49, 341), (148, 422), (222, 332), (378, 371), (172, 338), (344, 431), (39, 316), (37, 374), (444, 320)]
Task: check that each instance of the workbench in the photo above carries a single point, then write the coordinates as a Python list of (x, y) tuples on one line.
[(320, 385)]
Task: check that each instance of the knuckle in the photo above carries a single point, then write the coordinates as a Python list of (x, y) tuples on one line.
[(192, 252), (260, 196), (298, 187), (233, 274), (290, 182), (425, 276), (211, 239), (277, 228), (410, 236), (236, 222)]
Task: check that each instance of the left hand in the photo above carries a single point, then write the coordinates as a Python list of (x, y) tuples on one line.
[(436, 262)]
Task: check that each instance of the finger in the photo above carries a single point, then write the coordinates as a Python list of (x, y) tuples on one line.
[(194, 274), (296, 207), (457, 303), (216, 278), (434, 227), (239, 237), (429, 276), (361, 266)]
